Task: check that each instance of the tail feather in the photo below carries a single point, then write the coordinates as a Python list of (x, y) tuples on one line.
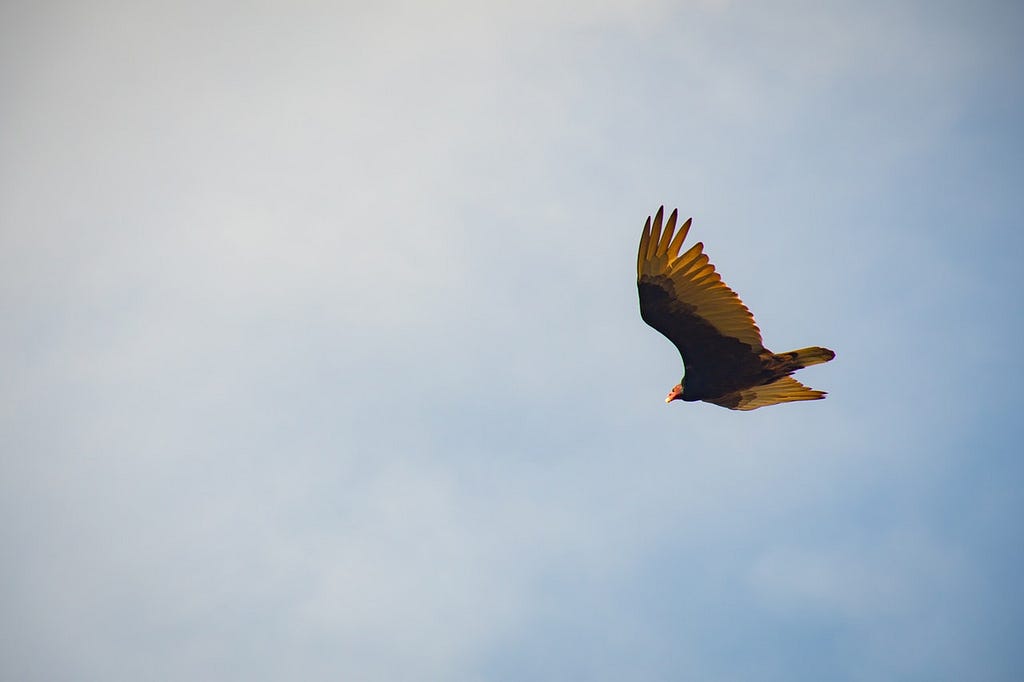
[(805, 357)]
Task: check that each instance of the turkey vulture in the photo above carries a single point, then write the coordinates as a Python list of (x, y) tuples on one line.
[(724, 362)]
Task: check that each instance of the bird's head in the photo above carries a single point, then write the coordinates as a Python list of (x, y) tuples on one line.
[(676, 393)]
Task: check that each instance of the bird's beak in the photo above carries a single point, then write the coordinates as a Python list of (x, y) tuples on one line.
[(676, 394)]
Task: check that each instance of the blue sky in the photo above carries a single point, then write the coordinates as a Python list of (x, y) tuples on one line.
[(322, 357)]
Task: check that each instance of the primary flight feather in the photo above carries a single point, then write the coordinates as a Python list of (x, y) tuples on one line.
[(724, 360)]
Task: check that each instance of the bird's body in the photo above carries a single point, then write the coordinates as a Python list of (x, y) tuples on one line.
[(725, 362)]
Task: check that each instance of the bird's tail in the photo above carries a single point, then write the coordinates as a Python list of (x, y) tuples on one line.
[(804, 357)]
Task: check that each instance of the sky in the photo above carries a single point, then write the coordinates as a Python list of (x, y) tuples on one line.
[(322, 358)]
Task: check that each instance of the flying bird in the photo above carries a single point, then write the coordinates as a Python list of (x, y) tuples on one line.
[(724, 360)]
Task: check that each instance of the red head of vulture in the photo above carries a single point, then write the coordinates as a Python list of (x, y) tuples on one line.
[(724, 362)]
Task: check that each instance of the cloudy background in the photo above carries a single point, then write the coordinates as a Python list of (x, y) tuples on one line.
[(320, 355)]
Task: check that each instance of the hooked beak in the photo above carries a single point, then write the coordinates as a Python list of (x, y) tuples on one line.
[(675, 394)]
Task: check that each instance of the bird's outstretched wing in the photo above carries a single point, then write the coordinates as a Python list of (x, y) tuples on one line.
[(784, 390), (683, 297)]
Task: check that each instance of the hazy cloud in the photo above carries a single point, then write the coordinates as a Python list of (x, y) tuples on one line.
[(321, 353)]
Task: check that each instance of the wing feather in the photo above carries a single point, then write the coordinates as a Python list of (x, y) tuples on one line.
[(652, 246), (641, 255), (666, 236), (784, 390), (684, 298), (693, 287), (677, 241)]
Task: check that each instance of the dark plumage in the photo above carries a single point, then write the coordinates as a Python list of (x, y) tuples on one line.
[(724, 360)]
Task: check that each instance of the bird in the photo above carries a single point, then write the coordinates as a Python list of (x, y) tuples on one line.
[(724, 360)]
